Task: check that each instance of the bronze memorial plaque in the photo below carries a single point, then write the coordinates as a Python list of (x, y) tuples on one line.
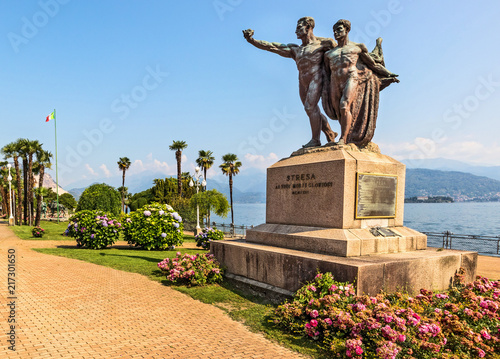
[(376, 196)]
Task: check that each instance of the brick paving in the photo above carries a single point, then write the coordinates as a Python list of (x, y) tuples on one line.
[(67, 308)]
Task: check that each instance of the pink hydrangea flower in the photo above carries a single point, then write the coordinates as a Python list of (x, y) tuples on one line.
[(485, 334)]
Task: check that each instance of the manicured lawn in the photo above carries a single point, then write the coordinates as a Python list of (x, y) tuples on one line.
[(53, 231), (129, 260), (252, 311)]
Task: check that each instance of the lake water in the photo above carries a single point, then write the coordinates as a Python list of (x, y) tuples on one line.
[(472, 218)]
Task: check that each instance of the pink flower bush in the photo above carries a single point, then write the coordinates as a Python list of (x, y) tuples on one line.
[(198, 269), (37, 232), (463, 322)]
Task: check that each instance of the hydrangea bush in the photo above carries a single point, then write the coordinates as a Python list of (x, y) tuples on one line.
[(154, 226), (37, 232), (207, 235), (198, 269), (461, 323), (93, 229)]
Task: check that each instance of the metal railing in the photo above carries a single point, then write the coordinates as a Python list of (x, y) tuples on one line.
[(239, 231), (488, 245)]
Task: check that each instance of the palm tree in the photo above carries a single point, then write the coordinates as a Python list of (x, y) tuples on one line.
[(230, 167), (178, 146), (123, 165), (43, 159), (205, 160), (28, 149), (11, 150)]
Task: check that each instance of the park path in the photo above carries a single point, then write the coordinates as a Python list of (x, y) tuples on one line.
[(67, 308)]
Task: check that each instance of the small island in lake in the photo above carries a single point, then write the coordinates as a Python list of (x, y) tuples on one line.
[(426, 199)]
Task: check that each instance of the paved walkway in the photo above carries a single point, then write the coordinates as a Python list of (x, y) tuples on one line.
[(67, 308)]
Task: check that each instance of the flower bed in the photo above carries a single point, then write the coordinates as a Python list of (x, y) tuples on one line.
[(154, 226), (207, 235), (93, 229), (191, 270), (461, 323), (37, 232)]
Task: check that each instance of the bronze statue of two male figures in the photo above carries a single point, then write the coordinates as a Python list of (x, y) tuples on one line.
[(342, 73)]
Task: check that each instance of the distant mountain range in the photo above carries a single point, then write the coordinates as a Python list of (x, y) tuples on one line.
[(452, 165), (48, 182), (460, 186), (459, 180)]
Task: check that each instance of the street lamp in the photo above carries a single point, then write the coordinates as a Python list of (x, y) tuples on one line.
[(198, 175), (9, 178)]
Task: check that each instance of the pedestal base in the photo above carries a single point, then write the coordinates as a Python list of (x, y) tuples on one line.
[(289, 269), (339, 242)]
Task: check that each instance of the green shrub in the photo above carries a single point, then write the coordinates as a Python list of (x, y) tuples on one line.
[(100, 197), (198, 269), (207, 235), (37, 232), (154, 226), (461, 323), (93, 229)]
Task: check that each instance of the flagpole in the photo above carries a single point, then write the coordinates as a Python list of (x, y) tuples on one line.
[(57, 178)]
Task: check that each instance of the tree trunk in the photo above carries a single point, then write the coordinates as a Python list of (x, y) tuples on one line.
[(123, 191), (25, 192), (19, 192), (39, 197), (178, 157), (5, 204), (204, 189), (231, 198), (31, 183)]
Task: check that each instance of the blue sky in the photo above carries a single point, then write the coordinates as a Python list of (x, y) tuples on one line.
[(129, 77)]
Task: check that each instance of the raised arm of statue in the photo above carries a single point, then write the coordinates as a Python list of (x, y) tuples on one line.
[(285, 50), (370, 62)]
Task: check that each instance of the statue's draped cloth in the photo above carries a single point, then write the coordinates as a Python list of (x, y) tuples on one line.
[(364, 107)]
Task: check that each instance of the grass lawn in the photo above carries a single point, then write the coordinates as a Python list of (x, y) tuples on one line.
[(252, 311), (54, 231)]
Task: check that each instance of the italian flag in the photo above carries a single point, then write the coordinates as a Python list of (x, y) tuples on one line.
[(50, 117)]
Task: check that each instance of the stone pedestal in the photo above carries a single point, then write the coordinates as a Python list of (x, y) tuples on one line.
[(339, 210)]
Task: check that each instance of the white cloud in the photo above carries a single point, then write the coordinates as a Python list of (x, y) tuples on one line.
[(150, 164), (104, 169), (91, 170), (260, 161), (425, 148)]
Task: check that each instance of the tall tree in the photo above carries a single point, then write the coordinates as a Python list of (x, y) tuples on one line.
[(43, 159), (123, 165), (28, 150), (178, 146), (11, 150), (230, 167), (205, 160)]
